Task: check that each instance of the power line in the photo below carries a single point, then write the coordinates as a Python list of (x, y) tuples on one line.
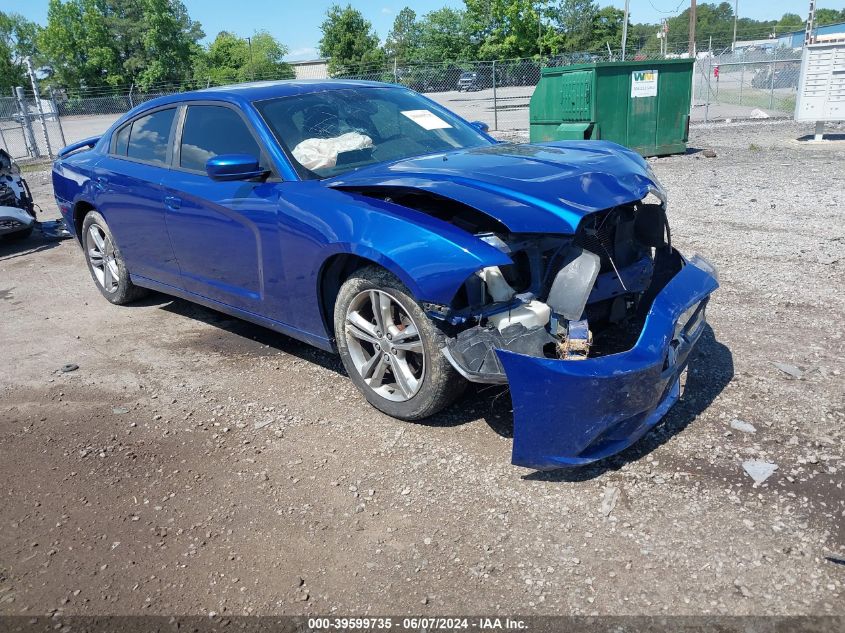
[(672, 12)]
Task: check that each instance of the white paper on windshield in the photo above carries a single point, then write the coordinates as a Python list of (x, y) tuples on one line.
[(426, 119)]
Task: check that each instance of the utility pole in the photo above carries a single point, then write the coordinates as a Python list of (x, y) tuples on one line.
[(811, 18), (541, 5), (251, 64), (692, 29), (625, 30), (736, 15)]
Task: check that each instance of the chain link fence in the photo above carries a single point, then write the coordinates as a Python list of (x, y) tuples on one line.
[(747, 85), (30, 127), (726, 85)]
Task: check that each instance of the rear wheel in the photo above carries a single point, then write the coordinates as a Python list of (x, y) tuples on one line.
[(391, 349), (106, 264)]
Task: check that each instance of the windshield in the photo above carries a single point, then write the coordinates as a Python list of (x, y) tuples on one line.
[(335, 131)]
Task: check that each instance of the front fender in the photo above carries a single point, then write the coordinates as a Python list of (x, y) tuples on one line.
[(432, 257)]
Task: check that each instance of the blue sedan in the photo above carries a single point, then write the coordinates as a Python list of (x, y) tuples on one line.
[(365, 219)]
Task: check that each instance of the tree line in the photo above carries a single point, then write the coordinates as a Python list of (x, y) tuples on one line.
[(514, 29), (116, 44)]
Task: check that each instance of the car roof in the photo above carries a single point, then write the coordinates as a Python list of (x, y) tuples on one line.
[(258, 90), (261, 90)]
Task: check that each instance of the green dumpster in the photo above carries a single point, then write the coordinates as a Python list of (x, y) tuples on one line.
[(642, 105)]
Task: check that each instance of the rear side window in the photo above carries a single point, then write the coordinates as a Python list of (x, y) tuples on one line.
[(148, 137), (121, 140), (212, 130)]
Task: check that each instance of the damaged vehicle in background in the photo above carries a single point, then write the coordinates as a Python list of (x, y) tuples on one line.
[(17, 211), (367, 219)]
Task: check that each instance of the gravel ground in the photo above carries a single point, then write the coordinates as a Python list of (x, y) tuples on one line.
[(194, 463)]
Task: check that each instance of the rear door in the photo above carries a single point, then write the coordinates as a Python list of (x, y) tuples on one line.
[(130, 197), (224, 234)]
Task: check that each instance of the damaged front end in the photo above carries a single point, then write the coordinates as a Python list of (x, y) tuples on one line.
[(17, 211), (591, 331)]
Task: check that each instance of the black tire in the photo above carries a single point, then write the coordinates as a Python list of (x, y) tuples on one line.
[(123, 291), (440, 383)]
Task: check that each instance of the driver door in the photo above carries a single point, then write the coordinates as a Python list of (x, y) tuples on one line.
[(224, 234)]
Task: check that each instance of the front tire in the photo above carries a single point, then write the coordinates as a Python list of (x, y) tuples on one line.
[(105, 262), (391, 349)]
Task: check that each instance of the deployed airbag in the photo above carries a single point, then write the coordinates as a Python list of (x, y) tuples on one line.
[(321, 153)]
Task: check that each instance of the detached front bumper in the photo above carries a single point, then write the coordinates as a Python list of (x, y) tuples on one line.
[(570, 413), (14, 220)]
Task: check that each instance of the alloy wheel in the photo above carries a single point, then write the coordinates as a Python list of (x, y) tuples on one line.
[(102, 258), (385, 345)]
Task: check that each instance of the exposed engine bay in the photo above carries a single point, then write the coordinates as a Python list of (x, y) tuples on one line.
[(564, 297)]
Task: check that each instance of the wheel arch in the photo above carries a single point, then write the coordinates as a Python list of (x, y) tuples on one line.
[(80, 210), (340, 266)]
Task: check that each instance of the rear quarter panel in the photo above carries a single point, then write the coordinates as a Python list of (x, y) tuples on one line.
[(72, 184)]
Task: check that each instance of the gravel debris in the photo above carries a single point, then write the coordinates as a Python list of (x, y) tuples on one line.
[(236, 521)]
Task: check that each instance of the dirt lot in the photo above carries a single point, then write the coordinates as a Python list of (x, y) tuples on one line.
[(194, 463)]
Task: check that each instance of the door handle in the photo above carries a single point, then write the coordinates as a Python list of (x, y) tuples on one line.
[(172, 202)]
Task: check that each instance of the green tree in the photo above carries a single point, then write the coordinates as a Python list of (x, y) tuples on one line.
[(504, 29), (93, 43), (575, 20), (17, 42), (829, 16), (349, 41), (607, 27), (790, 22), (233, 59), (169, 42), (443, 36), (403, 41), (76, 45)]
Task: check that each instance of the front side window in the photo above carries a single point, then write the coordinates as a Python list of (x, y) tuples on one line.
[(212, 130), (148, 137), (334, 131)]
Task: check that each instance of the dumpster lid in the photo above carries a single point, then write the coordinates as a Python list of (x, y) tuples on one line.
[(646, 63)]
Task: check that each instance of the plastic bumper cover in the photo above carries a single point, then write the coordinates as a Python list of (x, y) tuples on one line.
[(14, 220), (570, 413)]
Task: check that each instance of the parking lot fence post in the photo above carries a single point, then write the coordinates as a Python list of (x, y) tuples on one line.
[(707, 88), (42, 117), (58, 118), (772, 87), (495, 104), (26, 124), (741, 81)]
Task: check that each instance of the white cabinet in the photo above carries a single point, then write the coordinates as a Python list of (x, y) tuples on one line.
[(821, 89)]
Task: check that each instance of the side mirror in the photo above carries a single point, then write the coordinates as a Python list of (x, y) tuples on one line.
[(481, 126), (234, 167)]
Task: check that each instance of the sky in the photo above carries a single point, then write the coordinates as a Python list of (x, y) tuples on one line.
[(297, 24)]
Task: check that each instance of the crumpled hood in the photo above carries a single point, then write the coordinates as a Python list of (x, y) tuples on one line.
[(530, 188)]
